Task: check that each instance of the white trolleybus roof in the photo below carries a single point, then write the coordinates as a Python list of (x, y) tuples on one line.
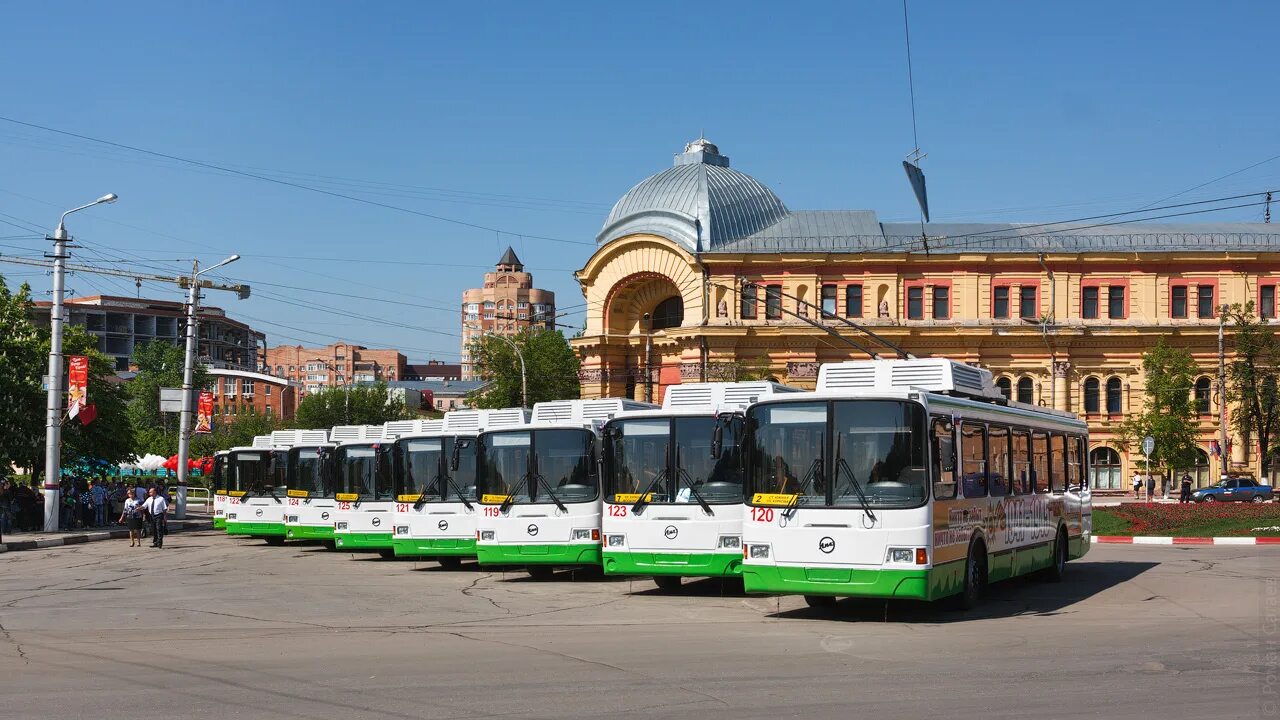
[(590, 414), (711, 398), (359, 434), (460, 422), (292, 438), (904, 378)]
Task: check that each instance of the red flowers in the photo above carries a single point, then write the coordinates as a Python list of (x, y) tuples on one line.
[(1202, 519)]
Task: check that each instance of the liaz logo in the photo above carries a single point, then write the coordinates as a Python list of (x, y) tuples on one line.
[(532, 529), (443, 525), (827, 545), (324, 516), (377, 521), (670, 532), (259, 513)]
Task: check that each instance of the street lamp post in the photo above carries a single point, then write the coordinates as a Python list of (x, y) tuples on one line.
[(188, 379), (53, 427), (524, 380)]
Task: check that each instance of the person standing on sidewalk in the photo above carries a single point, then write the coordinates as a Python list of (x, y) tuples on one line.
[(99, 494), (1151, 487), (156, 507), (1185, 496), (1137, 485), (133, 518)]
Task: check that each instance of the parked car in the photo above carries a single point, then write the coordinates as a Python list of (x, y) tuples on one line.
[(1234, 490)]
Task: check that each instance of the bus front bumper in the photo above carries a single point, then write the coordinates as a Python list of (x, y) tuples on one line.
[(219, 523), (434, 547), (841, 582), (256, 529), (362, 541), (538, 554), (706, 564), (309, 532)]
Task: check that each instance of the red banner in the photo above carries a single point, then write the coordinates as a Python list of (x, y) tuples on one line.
[(77, 384), (204, 413)]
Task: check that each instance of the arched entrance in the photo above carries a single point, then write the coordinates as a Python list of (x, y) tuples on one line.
[(1104, 469), (644, 307)]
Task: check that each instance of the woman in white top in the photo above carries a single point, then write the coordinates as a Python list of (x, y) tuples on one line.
[(133, 518)]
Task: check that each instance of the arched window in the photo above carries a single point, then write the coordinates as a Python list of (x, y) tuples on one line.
[(1005, 385), (1091, 392), (668, 314), (1203, 392), (1113, 396), (1104, 469), (1026, 391)]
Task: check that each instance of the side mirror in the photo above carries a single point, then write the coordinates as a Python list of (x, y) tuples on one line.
[(717, 439), (455, 458)]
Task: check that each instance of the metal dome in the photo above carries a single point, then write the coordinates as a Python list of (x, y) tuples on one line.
[(700, 203)]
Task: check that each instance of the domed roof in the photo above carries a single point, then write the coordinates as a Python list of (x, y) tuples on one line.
[(700, 203)]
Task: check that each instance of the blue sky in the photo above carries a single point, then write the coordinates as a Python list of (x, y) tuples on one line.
[(535, 117)]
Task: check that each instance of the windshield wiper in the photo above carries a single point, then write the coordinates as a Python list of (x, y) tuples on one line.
[(815, 469), (643, 500), (682, 473), (841, 465), (511, 495), (547, 486)]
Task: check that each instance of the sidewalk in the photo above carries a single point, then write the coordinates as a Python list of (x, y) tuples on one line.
[(36, 540)]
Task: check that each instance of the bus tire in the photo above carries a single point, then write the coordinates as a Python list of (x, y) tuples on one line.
[(330, 544), (387, 554), (820, 602), (275, 540), (667, 583), (450, 563), (1058, 568), (975, 576), (541, 572)]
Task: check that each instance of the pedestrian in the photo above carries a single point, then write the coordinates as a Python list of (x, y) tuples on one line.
[(1137, 485), (156, 507), (1151, 487), (1185, 497), (132, 517), (98, 493)]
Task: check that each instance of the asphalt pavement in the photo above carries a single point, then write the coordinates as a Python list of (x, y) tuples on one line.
[(215, 627)]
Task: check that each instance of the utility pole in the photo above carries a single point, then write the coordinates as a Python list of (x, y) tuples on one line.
[(188, 379), (1222, 390), (53, 418)]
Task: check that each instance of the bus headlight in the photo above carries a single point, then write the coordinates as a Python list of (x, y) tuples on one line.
[(486, 534), (402, 529), (907, 556), (341, 526), (231, 516), (291, 519), (582, 534), (730, 541), (758, 552), (616, 540)]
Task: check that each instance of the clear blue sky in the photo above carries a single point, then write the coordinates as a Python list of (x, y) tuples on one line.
[(535, 117)]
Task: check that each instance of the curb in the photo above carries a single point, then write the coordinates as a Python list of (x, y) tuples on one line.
[(1155, 540), (19, 545)]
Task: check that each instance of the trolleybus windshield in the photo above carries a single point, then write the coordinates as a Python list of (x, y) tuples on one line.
[(364, 472), (307, 475), (426, 473), (670, 460), (538, 466), (843, 453), (250, 471), (219, 473)]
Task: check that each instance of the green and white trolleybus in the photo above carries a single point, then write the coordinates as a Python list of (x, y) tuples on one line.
[(436, 503), (219, 477), (256, 472), (364, 464), (909, 479), (673, 501), (263, 510), (539, 486), (308, 477)]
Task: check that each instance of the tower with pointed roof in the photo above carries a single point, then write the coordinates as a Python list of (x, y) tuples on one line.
[(507, 304)]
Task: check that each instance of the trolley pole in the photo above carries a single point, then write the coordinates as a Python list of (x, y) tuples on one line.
[(1222, 391)]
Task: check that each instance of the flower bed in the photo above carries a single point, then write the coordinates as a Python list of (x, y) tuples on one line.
[(1190, 520)]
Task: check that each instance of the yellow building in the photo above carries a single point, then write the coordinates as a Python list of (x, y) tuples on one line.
[(1061, 314)]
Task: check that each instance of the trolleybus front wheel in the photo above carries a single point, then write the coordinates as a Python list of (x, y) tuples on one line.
[(541, 572), (450, 563), (975, 576), (387, 554), (275, 540), (1055, 571), (667, 583), (820, 602)]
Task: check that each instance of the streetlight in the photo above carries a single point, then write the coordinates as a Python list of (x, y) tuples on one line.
[(53, 427), (188, 378), (524, 380)]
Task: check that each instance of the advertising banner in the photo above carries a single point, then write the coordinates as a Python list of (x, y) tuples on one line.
[(77, 384), (204, 413)]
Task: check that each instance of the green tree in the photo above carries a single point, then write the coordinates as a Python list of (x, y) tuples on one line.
[(1168, 413), (550, 364), (351, 405), (159, 365), (1252, 378), (109, 436), (23, 362)]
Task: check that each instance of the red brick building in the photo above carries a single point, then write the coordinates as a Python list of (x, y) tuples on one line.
[(235, 392), (334, 365), (507, 304)]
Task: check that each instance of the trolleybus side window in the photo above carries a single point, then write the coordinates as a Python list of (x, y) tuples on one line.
[(1075, 460), (973, 459), (1057, 462), (1022, 461), (944, 459), (998, 467), (1040, 462)]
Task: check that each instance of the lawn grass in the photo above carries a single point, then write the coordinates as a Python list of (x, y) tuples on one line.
[(1194, 520)]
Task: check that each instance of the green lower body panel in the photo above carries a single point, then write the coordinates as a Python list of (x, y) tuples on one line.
[(843, 582), (434, 547), (256, 529), (309, 532), (686, 564), (362, 541), (219, 523), (538, 554)]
